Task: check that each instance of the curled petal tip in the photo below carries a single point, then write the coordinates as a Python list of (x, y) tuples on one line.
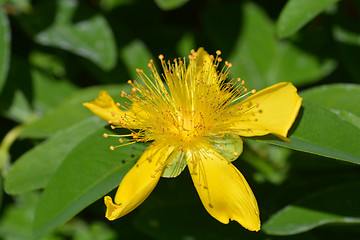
[(112, 210)]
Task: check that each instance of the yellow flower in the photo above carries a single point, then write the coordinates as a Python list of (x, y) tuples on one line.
[(195, 120)]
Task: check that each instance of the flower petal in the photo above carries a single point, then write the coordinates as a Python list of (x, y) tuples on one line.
[(202, 68), (104, 107), (139, 182), (272, 110), (223, 190)]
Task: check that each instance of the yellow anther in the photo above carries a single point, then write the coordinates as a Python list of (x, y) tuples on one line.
[(105, 135), (112, 148)]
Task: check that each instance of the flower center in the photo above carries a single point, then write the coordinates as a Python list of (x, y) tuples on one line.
[(190, 105)]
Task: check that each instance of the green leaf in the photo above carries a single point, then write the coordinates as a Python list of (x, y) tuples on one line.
[(88, 172), (338, 204), (4, 47), (346, 32), (178, 165), (185, 43), (20, 109), (111, 4), (342, 99), (15, 221), (49, 92), (297, 13), (19, 5), (69, 113), (342, 96), (1, 182), (262, 60), (47, 62), (91, 38), (170, 4), (135, 55), (15, 101), (34, 169), (319, 130), (230, 146), (31, 92)]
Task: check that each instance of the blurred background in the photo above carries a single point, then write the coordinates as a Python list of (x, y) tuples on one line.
[(56, 54)]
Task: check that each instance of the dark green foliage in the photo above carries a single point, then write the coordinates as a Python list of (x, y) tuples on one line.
[(56, 166)]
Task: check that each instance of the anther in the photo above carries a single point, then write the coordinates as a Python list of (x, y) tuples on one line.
[(253, 91), (120, 140), (153, 176), (170, 164), (161, 57), (129, 81), (236, 153), (112, 127), (112, 148), (218, 52), (118, 104), (105, 135)]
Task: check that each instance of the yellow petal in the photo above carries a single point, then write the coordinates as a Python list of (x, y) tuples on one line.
[(201, 68), (139, 182), (223, 190), (272, 110), (104, 107)]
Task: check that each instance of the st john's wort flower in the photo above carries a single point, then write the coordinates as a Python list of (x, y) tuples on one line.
[(194, 115)]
